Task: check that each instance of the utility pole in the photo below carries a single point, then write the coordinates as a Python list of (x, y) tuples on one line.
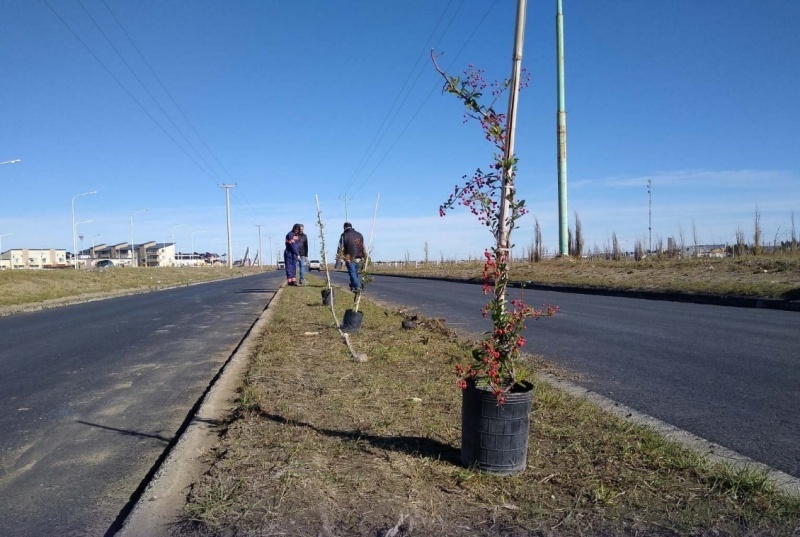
[(650, 213), (228, 207), (346, 217), (563, 225), (260, 251)]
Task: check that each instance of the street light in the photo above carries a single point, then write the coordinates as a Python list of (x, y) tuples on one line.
[(1, 246), (175, 246), (76, 232), (93, 244), (74, 225), (133, 248), (193, 232), (11, 161)]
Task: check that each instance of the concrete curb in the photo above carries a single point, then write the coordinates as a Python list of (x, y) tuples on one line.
[(696, 298), (784, 482), (157, 509)]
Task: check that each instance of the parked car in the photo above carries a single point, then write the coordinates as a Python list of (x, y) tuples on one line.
[(314, 264), (105, 263), (281, 266)]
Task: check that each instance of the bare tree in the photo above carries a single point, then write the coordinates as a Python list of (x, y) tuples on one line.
[(741, 246), (408, 257), (694, 238), (757, 248), (426, 252), (793, 237), (578, 236), (616, 255), (638, 250), (681, 246), (775, 243), (538, 246)]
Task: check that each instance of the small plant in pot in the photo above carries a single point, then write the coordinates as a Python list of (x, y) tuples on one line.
[(495, 415)]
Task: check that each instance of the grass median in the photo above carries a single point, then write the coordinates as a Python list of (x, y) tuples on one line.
[(320, 444), (766, 276), (43, 288)]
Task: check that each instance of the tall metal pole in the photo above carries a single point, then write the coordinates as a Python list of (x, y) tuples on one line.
[(563, 226), (175, 245), (516, 68), (650, 214), (346, 217), (74, 236), (260, 251), (133, 247), (228, 208)]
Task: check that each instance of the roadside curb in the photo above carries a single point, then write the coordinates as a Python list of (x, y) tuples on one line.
[(157, 508), (695, 298), (714, 452)]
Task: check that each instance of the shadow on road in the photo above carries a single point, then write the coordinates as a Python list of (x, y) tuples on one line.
[(126, 432)]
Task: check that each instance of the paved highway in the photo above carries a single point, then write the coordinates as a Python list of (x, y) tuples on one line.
[(729, 375), (92, 394)]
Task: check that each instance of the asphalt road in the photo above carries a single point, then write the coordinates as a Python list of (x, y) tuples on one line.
[(92, 394), (729, 375)]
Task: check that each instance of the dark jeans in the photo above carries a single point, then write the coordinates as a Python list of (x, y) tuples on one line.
[(352, 271)]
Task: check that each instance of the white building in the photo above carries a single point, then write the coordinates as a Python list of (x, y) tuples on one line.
[(33, 258)]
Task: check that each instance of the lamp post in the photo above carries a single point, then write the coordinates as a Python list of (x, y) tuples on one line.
[(11, 161), (93, 243), (193, 232), (133, 246), (1, 247), (76, 232), (260, 250), (175, 246), (74, 225)]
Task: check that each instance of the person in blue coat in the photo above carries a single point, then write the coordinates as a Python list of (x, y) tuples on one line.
[(291, 255)]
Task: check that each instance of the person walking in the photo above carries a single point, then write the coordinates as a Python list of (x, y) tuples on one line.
[(302, 247), (290, 255), (351, 251)]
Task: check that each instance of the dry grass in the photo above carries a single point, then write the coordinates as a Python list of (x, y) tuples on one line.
[(772, 276), (44, 287), (322, 445)]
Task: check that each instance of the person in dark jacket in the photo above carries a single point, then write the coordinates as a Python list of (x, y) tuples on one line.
[(290, 255), (351, 251), (302, 260)]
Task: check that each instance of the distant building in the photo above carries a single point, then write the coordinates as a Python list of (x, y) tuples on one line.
[(148, 254), (33, 258)]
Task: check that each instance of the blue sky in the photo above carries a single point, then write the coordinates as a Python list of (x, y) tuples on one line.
[(339, 99)]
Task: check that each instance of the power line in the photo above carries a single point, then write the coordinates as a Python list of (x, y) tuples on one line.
[(163, 87), (121, 85), (378, 137), (141, 83), (419, 109)]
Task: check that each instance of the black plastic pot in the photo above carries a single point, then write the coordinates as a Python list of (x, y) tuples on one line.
[(327, 297), (352, 321), (494, 438)]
